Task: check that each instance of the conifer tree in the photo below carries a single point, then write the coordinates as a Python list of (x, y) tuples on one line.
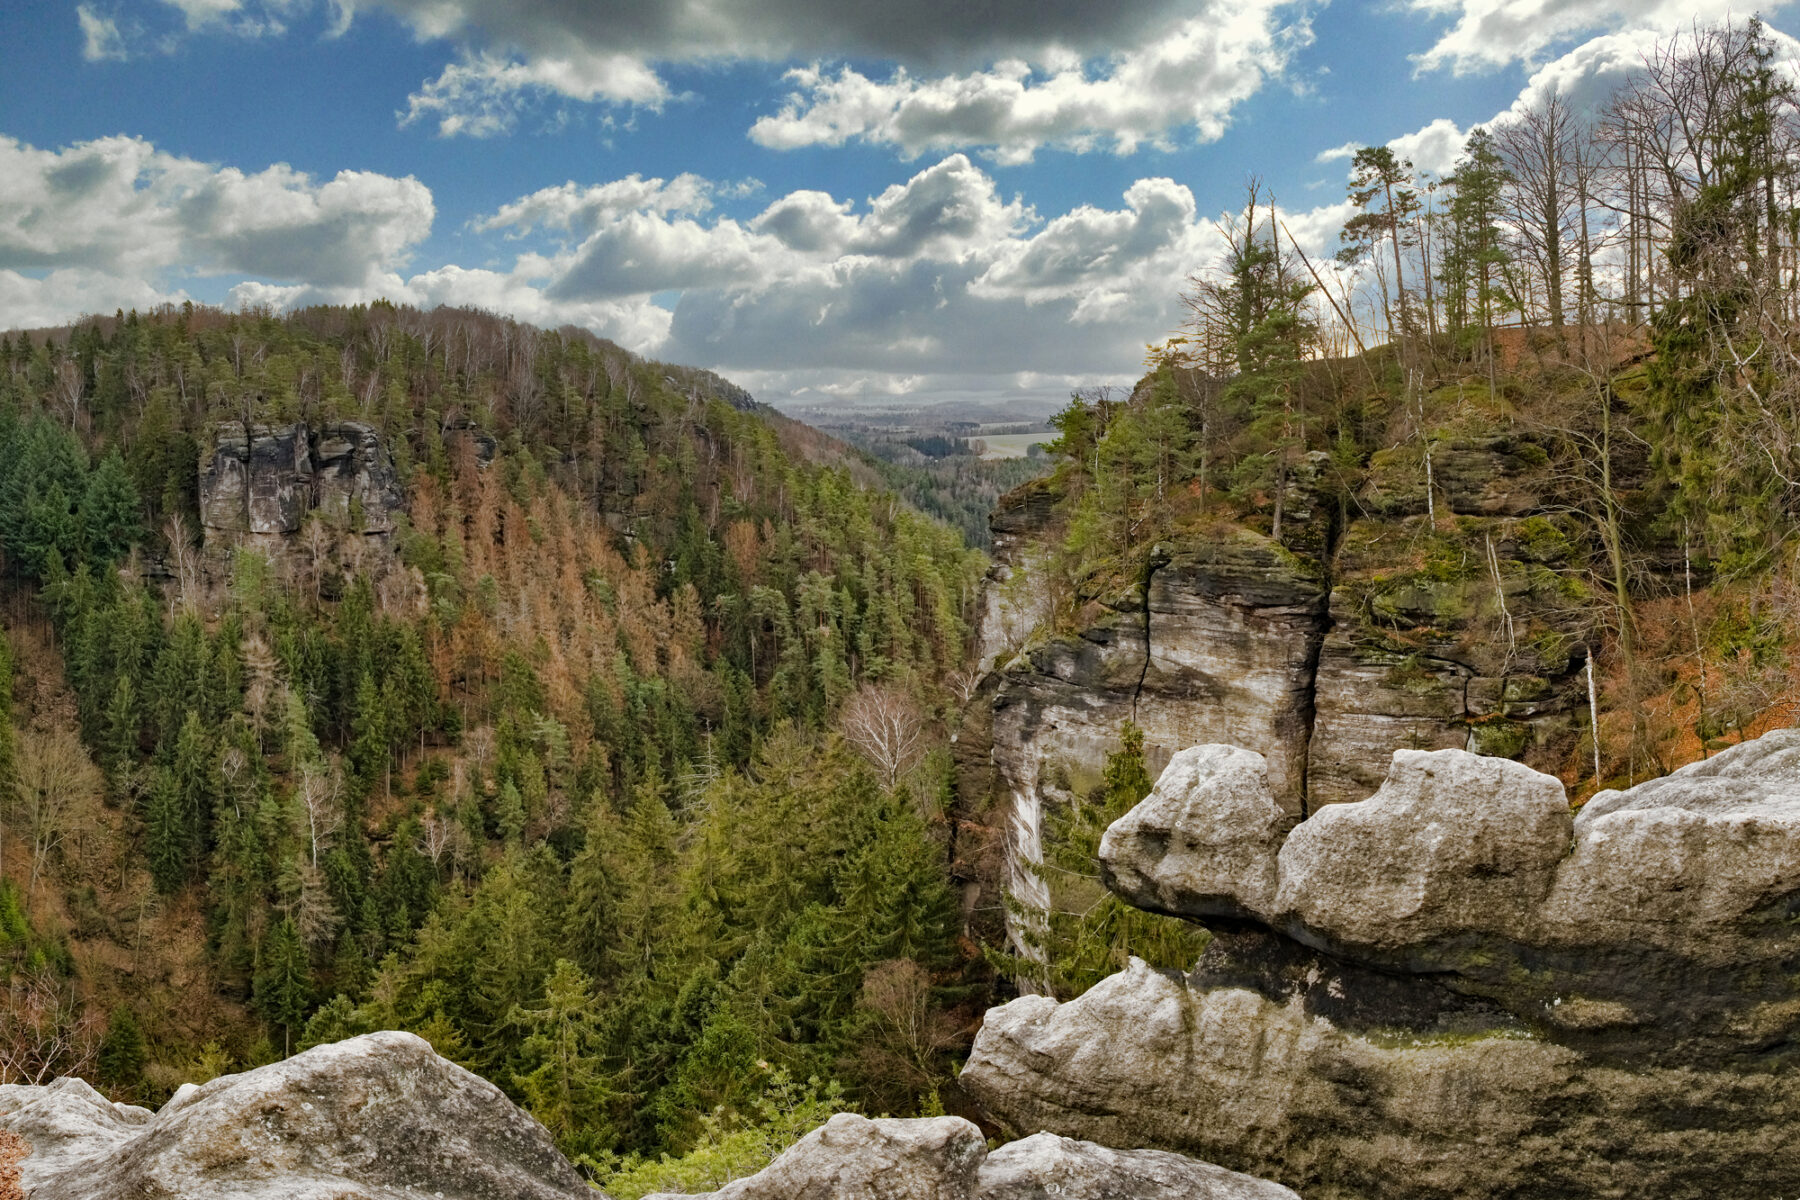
[(282, 989), (123, 1053)]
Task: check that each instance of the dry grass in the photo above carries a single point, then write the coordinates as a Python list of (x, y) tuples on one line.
[(12, 1149)]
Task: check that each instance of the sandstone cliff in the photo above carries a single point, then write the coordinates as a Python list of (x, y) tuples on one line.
[(1366, 627), (265, 480), (1454, 988)]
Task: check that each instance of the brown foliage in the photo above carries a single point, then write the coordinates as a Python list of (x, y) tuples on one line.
[(13, 1148)]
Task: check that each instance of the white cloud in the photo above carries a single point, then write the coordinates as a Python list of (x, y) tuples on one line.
[(32, 302), (483, 94), (1097, 256), (127, 218), (246, 18), (948, 211), (1013, 75), (576, 209), (937, 286), (1190, 76), (100, 37), (1434, 149), (808, 221), (1494, 33)]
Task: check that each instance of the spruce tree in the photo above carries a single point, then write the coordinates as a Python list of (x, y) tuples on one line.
[(123, 1053), (282, 987)]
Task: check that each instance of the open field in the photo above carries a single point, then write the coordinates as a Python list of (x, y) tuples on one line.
[(1011, 445)]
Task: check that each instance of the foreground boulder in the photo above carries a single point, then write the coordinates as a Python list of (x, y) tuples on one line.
[(379, 1117), (1451, 989), (945, 1158)]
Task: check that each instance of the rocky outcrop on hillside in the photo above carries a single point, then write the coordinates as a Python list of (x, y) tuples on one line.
[(265, 480), (1454, 988), (379, 1117), (1371, 624), (945, 1158)]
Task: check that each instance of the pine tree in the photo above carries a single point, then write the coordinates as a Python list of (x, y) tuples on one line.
[(167, 838)]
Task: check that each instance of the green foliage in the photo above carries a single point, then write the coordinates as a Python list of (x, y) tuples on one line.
[(1472, 261), (733, 1147), (123, 1053), (611, 859), (283, 984), (1088, 933)]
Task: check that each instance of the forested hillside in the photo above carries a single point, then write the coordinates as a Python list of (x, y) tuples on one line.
[(548, 774)]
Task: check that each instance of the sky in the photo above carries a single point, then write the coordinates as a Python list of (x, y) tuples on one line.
[(830, 202)]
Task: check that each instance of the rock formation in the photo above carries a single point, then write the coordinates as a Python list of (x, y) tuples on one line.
[(1367, 626), (265, 480), (381, 1117), (945, 1158), (1451, 989), (378, 1117)]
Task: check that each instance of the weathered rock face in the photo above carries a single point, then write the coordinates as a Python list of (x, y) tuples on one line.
[(1219, 643), (1451, 989), (1211, 824), (267, 479), (1475, 647), (945, 1158), (1324, 652), (378, 1117)]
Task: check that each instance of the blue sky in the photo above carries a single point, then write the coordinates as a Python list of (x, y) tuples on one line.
[(916, 201)]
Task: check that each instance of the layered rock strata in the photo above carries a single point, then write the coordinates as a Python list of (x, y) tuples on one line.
[(1370, 624), (265, 480), (1454, 988)]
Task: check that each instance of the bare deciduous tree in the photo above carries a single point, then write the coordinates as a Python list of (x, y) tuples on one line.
[(320, 795), (184, 558), (910, 1034), (887, 727), (56, 787), (43, 1031)]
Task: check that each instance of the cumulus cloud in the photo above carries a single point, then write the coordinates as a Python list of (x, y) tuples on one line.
[(583, 210), (1487, 34), (1095, 256), (484, 94), (925, 289), (1013, 75), (935, 289), (31, 301), (1191, 76), (126, 218)]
